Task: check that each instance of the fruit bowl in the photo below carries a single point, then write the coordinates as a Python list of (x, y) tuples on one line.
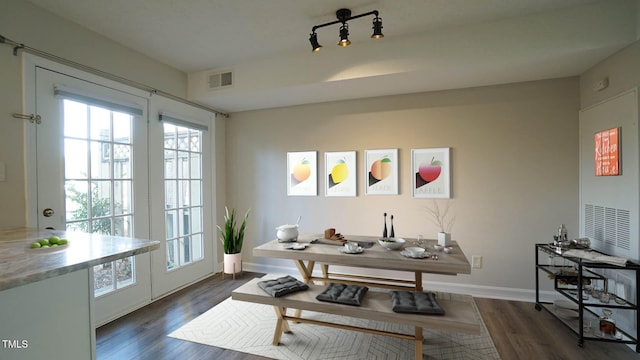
[(391, 243)]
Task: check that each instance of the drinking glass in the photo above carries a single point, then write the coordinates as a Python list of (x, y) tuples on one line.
[(621, 293), (420, 241)]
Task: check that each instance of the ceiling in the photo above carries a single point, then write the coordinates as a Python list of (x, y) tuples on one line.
[(429, 45)]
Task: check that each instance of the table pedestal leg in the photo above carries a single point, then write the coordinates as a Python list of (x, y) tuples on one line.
[(418, 281), (418, 341), (325, 272)]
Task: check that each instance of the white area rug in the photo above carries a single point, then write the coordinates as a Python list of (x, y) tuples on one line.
[(249, 327)]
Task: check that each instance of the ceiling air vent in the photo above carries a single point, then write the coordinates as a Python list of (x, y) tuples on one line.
[(220, 80)]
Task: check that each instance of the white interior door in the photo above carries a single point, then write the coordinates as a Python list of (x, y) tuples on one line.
[(92, 175)]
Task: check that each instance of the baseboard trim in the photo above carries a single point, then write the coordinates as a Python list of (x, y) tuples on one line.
[(491, 292)]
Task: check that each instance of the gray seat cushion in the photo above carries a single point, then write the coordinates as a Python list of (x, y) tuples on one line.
[(415, 303), (343, 294), (282, 286)]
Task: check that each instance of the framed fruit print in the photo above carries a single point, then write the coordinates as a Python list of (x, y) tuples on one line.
[(302, 173), (381, 172), (340, 174), (430, 173)]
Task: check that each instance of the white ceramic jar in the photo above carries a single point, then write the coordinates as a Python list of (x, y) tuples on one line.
[(287, 233)]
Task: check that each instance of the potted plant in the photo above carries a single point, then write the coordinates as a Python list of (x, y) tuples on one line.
[(232, 238)]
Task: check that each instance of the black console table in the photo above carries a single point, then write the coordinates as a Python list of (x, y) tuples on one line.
[(569, 279)]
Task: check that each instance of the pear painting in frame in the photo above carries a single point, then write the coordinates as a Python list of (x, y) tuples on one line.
[(340, 178), (381, 172), (430, 173), (302, 173)]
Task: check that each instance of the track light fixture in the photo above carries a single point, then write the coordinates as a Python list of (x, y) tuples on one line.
[(343, 16)]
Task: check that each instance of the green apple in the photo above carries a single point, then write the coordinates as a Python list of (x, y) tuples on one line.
[(54, 240), (36, 245), (44, 242), (63, 241), (45, 246)]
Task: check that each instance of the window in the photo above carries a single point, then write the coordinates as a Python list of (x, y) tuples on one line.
[(98, 151), (183, 181)]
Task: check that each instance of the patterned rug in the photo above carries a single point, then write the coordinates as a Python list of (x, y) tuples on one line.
[(249, 327)]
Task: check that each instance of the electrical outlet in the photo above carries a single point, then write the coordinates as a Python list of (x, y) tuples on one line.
[(476, 261)]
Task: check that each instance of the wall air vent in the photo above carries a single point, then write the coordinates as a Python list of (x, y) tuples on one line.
[(607, 225), (220, 80)]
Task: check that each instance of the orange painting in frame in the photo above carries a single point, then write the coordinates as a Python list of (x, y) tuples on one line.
[(607, 152)]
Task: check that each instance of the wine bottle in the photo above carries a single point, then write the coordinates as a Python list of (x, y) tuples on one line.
[(384, 232), (393, 233)]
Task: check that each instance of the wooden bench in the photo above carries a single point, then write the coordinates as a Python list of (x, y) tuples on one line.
[(460, 312)]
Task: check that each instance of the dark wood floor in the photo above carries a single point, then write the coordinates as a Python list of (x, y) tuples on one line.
[(517, 329)]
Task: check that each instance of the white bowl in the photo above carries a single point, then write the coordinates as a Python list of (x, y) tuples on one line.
[(391, 243), (438, 247)]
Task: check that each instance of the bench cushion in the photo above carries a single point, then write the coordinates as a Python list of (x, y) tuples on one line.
[(415, 303), (282, 286), (343, 294)]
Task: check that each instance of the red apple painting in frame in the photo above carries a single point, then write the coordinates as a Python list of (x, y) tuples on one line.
[(431, 173)]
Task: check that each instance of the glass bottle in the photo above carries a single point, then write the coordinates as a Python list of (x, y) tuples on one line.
[(607, 323)]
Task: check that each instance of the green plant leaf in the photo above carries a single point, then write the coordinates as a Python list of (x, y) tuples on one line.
[(232, 238)]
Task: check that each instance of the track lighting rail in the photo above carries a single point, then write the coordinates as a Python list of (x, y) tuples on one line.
[(344, 15)]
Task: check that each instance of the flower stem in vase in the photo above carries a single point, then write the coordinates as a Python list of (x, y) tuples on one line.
[(384, 232), (393, 233)]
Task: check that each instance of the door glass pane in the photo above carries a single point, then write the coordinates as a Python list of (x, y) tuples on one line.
[(75, 119), (123, 226), (122, 197), (77, 195), (100, 123), (98, 183), (75, 159), (183, 195), (172, 251), (101, 199), (122, 128), (101, 156), (122, 161)]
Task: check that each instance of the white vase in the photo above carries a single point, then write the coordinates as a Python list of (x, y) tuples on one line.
[(232, 264), (444, 239)]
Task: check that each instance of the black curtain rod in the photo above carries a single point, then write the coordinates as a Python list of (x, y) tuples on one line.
[(17, 46)]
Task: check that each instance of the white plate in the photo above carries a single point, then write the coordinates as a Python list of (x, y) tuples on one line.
[(421, 255), (359, 250), (296, 246)]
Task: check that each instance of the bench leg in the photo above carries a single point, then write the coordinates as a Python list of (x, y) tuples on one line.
[(306, 270), (281, 324), (418, 340)]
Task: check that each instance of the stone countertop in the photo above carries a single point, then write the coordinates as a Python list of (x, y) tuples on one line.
[(20, 265)]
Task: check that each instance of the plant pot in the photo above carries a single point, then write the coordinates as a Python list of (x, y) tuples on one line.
[(232, 264), (444, 239)]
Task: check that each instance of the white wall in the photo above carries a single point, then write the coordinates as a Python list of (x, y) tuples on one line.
[(24, 23), (514, 155), (622, 71)]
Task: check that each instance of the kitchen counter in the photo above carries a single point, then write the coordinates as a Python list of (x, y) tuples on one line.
[(20, 265), (47, 294)]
